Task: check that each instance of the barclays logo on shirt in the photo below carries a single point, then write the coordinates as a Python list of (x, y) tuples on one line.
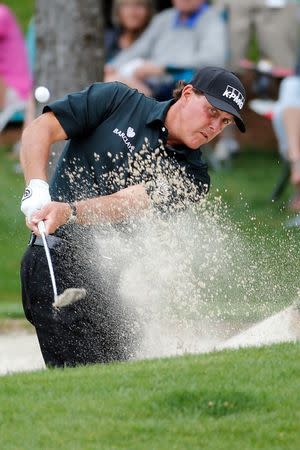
[(130, 133)]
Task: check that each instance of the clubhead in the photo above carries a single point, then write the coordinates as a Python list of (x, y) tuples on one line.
[(69, 296)]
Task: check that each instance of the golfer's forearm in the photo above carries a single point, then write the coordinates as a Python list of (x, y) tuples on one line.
[(122, 205), (34, 154), (36, 143)]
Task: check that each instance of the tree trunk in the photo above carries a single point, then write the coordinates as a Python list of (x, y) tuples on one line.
[(70, 56)]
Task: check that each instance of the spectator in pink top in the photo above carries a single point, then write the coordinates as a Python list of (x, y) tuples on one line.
[(15, 76)]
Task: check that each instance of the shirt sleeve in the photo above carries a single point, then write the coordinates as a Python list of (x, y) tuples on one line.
[(81, 112)]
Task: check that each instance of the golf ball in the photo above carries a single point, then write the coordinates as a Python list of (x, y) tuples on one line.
[(42, 94)]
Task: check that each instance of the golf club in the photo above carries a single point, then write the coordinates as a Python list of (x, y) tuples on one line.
[(70, 295)]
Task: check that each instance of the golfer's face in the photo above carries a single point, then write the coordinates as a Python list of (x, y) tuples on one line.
[(201, 121)]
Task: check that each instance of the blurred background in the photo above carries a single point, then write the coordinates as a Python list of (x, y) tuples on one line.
[(64, 46)]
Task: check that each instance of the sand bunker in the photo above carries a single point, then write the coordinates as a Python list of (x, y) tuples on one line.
[(21, 352)]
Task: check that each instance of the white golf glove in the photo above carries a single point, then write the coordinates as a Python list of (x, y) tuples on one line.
[(36, 195)]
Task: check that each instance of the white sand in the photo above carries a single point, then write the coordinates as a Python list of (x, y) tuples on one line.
[(281, 327), (21, 352)]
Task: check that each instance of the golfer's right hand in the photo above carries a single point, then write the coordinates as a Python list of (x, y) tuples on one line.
[(36, 195), (54, 215)]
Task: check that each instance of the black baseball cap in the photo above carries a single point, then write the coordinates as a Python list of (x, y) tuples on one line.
[(223, 90)]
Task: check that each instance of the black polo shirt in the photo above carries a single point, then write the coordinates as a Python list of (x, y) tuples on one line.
[(109, 128)]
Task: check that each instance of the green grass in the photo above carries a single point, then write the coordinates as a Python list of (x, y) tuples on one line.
[(13, 235), (262, 248), (246, 187), (247, 399), (246, 191)]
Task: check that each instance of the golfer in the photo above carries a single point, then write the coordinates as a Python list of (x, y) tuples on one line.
[(125, 154)]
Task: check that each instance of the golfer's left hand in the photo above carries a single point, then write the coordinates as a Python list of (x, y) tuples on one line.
[(54, 215), (36, 195)]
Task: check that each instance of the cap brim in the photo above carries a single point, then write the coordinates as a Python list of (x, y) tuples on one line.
[(224, 106)]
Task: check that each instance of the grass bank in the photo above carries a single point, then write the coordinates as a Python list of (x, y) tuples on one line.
[(247, 399)]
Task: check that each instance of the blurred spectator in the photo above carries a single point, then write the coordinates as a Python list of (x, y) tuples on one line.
[(178, 40), (286, 122), (130, 18), (159, 5), (162, 4), (276, 26), (15, 77)]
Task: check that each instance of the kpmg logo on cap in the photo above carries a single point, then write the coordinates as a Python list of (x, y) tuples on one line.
[(234, 94)]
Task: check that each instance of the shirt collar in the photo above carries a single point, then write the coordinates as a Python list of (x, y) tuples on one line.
[(192, 19), (159, 111)]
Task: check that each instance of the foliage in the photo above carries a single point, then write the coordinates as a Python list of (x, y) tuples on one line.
[(23, 9)]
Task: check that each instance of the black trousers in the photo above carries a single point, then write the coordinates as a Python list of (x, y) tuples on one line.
[(97, 329)]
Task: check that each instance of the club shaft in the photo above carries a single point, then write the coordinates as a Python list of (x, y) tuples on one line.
[(49, 261)]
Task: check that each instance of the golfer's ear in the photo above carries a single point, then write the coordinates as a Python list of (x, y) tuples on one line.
[(187, 91)]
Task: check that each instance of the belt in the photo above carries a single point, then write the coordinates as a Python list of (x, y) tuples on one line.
[(52, 241)]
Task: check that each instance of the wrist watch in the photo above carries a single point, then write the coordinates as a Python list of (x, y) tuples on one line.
[(73, 216)]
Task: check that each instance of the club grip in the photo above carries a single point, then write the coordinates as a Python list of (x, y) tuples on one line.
[(41, 227)]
